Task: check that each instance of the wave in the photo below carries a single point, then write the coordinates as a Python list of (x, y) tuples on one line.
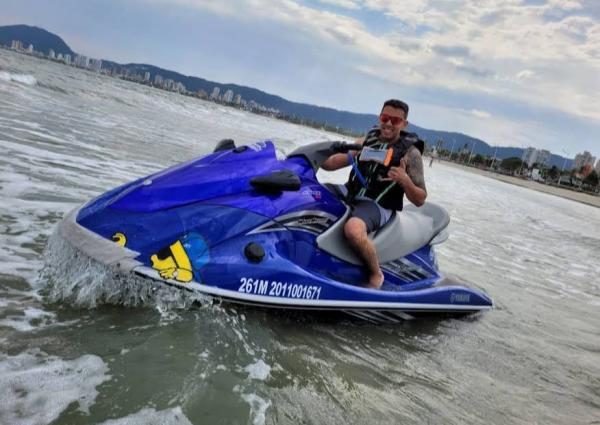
[(69, 276), (18, 78), (53, 88)]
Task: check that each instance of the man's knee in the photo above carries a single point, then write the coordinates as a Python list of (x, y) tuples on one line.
[(355, 230)]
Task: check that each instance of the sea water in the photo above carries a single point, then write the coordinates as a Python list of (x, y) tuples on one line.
[(79, 346)]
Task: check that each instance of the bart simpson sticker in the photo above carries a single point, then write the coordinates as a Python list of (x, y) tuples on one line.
[(178, 260), (173, 263)]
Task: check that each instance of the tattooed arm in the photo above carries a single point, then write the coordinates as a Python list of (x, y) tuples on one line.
[(410, 175)]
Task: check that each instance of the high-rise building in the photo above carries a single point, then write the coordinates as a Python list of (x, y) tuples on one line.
[(59, 57), (68, 59), (215, 93), (51, 54), (168, 84), (158, 80), (529, 156), (16, 45), (81, 61), (30, 49), (95, 65), (543, 158), (228, 96), (179, 87), (146, 76), (583, 159), (237, 99)]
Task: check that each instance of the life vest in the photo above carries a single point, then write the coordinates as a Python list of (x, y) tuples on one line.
[(386, 193)]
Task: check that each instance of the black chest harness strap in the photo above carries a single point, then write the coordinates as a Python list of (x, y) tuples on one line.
[(365, 182), (369, 177)]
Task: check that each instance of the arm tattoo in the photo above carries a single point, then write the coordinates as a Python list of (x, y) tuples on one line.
[(415, 167)]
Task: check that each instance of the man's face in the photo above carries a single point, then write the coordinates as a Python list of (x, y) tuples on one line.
[(391, 122)]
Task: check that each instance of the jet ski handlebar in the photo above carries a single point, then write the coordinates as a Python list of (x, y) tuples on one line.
[(343, 147), (317, 153)]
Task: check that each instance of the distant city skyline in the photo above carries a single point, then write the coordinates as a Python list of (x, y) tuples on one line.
[(531, 155), (96, 65), (513, 73)]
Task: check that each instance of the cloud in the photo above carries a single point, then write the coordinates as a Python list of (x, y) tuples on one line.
[(525, 74), (497, 46), (474, 71), (480, 114), (451, 50), (329, 27), (345, 4), (565, 4), (492, 18)]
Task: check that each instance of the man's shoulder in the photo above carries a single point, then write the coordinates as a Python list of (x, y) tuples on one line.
[(409, 137), (413, 140)]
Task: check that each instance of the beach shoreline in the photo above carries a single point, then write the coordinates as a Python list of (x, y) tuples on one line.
[(581, 197)]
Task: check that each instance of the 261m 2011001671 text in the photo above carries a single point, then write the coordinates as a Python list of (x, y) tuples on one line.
[(274, 288)]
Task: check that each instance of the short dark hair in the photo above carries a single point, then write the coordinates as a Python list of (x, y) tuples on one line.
[(398, 104)]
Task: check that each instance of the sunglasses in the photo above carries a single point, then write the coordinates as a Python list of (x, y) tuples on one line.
[(394, 120)]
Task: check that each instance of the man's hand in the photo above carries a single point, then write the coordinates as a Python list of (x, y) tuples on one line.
[(409, 175), (398, 174)]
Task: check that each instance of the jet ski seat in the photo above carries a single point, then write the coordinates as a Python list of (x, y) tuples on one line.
[(405, 232)]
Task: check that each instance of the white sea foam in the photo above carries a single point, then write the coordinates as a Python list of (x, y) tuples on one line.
[(35, 387), (19, 78), (150, 416), (258, 407), (259, 370), (31, 319)]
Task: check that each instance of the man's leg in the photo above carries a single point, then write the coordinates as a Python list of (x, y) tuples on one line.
[(355, 230)]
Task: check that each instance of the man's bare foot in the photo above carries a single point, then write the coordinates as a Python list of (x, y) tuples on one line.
[(376, 280)]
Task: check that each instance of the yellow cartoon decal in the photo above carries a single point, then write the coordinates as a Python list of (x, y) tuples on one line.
[(119, 238), (173, 263)]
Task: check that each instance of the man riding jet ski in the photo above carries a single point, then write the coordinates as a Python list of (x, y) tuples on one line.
[(242, 225), (388, 167)]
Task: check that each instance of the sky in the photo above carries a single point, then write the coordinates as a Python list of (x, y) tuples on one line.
[(510, 72)]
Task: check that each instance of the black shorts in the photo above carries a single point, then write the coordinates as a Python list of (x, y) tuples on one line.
[(369, 211)]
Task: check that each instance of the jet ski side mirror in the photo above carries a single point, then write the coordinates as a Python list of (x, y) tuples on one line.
[(277, 181), (224, 145)]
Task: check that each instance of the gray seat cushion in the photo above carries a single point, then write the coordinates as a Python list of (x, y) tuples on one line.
[(406, 231)]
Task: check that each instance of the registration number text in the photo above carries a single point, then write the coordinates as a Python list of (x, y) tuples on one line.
[(274, 288)]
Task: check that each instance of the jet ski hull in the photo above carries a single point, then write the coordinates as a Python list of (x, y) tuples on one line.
[(278, 282)]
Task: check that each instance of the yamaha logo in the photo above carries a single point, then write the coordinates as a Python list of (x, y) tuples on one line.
[(459, 298)]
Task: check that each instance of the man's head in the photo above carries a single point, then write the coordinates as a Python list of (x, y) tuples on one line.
[(393, 119)]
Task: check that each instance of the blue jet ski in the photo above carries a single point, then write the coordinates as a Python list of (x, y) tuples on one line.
[(242, 225)]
